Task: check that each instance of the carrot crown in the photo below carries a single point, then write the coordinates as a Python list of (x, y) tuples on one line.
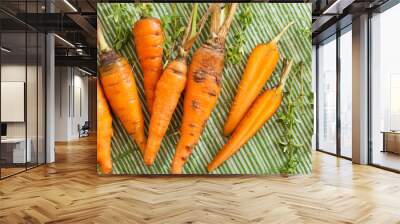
[(145, 9), (101, 41), (221, 20), (279, 36), (287, 66)]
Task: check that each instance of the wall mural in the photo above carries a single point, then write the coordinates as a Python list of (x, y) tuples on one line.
[(197, 88)]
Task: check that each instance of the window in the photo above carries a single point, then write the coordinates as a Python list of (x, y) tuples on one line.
[(327, 96), (346, 93), (314, 86), (385, 89), (394, 102), (22, 75)]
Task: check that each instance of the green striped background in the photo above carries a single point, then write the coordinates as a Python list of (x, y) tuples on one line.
[(262, 154)]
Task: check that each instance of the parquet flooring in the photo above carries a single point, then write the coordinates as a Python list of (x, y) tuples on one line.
[(70, 191)]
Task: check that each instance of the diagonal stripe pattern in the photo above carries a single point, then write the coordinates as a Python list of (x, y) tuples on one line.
[(262, 154)]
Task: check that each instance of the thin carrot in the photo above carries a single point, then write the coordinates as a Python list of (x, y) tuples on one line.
[(203, 86), (117, 79), (104, 132), (259, 68), (169, 89), (149, 39), (259, 113)]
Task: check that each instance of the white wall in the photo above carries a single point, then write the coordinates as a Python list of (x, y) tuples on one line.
[(16, 73), (33, 127), (62, 81), (71, 94)]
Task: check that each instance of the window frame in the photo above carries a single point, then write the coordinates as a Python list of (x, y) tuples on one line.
[(334, 37)]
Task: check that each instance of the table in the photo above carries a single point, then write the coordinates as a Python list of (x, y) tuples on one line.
[(391, 141), (16, 147)]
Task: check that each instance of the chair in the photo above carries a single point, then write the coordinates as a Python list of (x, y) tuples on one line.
[(84, 130)]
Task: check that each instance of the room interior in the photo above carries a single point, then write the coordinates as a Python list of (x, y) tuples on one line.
[(333, 53)]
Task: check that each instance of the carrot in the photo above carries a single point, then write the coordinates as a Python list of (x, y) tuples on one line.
[(104, 132), (149, 39), (203, 86), (259, 113), (169, 89), (117, 79), (259, 68)]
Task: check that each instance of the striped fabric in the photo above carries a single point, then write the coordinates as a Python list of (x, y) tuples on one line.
[(262, 154)]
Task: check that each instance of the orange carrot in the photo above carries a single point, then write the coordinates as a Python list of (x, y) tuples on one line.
[(203, 86), (104, 132), (260, 65), (117, 79), (169, 89), (259, 113), (149, 39)]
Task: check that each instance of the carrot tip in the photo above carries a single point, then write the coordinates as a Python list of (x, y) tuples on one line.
[(176, 169), (148, 161), (106, 168), (173, 171), (211, 168)]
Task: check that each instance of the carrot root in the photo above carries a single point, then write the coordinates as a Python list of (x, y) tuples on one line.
[(104, 132), (264, 107), (120, 89), (259, 68), (149, 39), (203, 87)]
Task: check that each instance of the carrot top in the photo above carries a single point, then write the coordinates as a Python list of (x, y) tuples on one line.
[(279, 36), (101, 41), (191, 32), (221, 21), (145, 9), (287, 66)]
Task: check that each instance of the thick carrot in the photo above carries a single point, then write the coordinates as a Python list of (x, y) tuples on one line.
[(203, 87), (104, 132), (259, 68), (149, 39), (169, 89), (259, 113), (117, 79)]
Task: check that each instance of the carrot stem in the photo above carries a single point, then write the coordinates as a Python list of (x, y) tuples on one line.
[(194, 20), (279, 36), (287, 66), (100, 38), (223, 15), (215, 17), (193, 29), (223, 31)]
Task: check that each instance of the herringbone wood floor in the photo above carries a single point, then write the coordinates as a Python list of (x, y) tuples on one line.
[(70, 191)]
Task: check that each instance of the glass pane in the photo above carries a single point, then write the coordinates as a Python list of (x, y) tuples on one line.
[(31, 98), (32, 88), (314, 82), (327, 97), (385, 89), (13, 87), (41, 99), (346, 93)]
